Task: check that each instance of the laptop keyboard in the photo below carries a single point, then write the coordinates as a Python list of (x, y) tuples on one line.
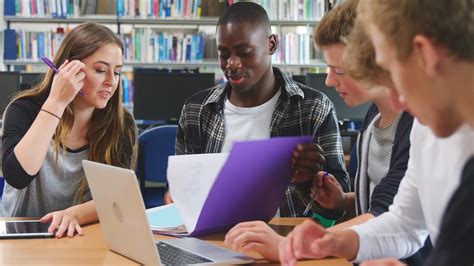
[(171, 255)]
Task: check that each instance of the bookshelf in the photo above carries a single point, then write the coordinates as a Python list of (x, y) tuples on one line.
[(143, 29), (147, 25), (178, 65), (148, 21)]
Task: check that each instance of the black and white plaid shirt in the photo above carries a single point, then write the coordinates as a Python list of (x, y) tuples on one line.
[(299, 111)]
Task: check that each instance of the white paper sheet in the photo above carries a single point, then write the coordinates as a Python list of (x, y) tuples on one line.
[(190, 178)]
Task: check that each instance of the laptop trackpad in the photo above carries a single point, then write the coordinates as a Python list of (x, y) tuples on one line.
[(205, 249)]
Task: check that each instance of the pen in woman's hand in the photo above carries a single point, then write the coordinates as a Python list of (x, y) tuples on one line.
[(308, 207), (50, 64), (55, 69)]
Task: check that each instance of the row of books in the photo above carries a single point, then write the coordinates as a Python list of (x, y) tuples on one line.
[(146, 45), (294, 48), (141, 45), (43, 8), (27, 45), (276, 9), (122, 8), (127, 85), (291, 9), (160, 8)]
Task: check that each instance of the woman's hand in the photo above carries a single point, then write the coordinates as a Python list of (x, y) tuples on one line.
[(254, 236), (62, 222), (66, 85)]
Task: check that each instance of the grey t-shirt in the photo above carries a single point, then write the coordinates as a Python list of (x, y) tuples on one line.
[(380, 151), (53, 189)]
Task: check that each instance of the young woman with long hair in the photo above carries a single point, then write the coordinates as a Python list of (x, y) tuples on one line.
[(69, 116)]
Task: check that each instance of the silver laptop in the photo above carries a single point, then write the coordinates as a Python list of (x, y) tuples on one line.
[(122, 216)]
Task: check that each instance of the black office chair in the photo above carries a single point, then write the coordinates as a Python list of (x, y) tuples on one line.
[(155, 145)]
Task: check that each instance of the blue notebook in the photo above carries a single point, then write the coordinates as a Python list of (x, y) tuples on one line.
[(164, 218)]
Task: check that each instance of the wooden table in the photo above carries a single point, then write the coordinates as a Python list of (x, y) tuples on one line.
[(91, 249)]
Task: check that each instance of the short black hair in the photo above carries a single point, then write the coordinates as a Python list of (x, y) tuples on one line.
[(245, 12)]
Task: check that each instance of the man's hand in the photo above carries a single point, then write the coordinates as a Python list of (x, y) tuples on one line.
[(297, 245), (254, 236), (310, 240), (328, 191), (307, 160)]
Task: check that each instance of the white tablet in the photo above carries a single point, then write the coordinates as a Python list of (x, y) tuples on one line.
[(24, 229)]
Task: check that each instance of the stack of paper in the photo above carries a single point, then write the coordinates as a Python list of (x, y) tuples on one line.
[(165, 220)]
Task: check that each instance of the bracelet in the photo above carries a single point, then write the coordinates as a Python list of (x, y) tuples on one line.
[(44, 110)]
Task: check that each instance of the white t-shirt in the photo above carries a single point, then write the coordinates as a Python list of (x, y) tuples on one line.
[(433, 173), (252, 123)]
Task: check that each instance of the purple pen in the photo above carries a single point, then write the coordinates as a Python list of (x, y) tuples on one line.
[(55, 69), (50, 64)]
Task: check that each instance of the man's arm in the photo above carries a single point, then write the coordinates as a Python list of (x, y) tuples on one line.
[(328, 137), (402, 230), (183, 146)]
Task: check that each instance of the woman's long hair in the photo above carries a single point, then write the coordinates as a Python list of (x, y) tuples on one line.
[(112, 131)]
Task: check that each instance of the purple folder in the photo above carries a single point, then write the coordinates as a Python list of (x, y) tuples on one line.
[(251, 184)]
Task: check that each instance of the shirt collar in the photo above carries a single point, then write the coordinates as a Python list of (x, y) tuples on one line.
[(289, 87)]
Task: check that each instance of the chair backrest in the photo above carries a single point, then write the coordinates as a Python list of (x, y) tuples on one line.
[(155, 145)]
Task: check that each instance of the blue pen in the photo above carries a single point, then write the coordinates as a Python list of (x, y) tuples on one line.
[(55, 69), (308, 207)]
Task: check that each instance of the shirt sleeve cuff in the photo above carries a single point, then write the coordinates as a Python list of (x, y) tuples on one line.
[(362, 232)]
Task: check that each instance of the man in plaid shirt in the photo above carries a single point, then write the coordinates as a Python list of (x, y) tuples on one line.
[(259, 102)]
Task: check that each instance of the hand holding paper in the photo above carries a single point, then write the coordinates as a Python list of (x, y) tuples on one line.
[(307, 160), (214, 192)]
